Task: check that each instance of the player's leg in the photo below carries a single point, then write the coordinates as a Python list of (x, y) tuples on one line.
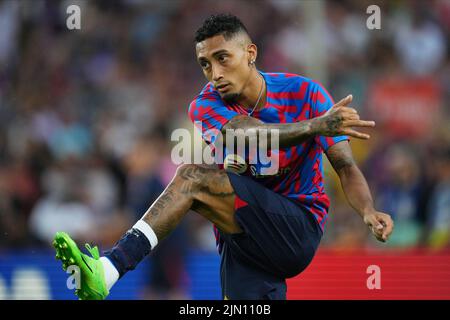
[(206, 190), (279, 241), (240, 278)]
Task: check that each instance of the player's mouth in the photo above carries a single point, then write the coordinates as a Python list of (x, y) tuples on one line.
[(223, 87)]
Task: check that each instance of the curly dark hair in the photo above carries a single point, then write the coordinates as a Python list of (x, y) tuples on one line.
[(226, 24)]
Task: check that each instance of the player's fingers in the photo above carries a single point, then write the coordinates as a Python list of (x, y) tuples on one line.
[(378, 228), (378, 233), (355, 134), (349, 110), (345, 101), (359, 123), (375, 226), (352, 116), (388, 229)]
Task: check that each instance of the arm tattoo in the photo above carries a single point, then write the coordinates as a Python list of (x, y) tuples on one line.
[(290, 134), (340, 156)]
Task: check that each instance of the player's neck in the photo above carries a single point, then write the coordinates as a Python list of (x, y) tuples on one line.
[(252, 91)]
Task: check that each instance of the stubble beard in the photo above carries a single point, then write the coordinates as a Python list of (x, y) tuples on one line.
[(230, 97)]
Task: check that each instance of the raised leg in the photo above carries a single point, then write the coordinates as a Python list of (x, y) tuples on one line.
[(207, 191)]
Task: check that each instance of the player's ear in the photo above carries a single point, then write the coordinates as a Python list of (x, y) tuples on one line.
[(252, 52)]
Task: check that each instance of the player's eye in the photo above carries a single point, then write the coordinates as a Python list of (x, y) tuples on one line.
[(204, 65), (222, 58)]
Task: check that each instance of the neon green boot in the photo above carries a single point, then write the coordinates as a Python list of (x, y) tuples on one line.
[(92, 278)]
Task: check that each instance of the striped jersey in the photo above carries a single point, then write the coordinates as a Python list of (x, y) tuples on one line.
[(290, 98)]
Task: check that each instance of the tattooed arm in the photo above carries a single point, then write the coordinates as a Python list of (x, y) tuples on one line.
[(290, 134), (337, 121), (357, 191)]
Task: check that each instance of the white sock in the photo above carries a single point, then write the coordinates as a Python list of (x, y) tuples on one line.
[(145, 228), (111, 273)]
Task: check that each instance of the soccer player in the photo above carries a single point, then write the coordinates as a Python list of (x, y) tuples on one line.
[(268, 228)]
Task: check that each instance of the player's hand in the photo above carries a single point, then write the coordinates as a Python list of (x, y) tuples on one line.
[(340, 120), (380, 224)]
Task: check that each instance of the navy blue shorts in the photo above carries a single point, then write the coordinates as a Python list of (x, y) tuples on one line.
[(279, 241)]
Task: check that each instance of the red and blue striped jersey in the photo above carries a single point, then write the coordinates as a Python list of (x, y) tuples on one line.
[(290, 98)]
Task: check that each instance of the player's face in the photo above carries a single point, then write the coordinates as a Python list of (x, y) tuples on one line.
[(225, 63)]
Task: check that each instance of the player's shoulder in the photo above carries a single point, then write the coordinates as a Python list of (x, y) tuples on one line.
[(208, 89), (207, 93), (208, 97), (285, 78), (291, 82), (299, 85)]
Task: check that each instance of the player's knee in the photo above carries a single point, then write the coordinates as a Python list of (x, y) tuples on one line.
[(187, 171), (190, 174), (181, 169)]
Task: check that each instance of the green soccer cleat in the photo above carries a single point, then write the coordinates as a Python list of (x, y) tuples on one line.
[(92, 278)]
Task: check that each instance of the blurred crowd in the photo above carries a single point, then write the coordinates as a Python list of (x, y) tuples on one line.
[(86, 115)]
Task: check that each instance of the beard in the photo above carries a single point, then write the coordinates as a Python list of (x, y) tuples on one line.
[(230, 97)]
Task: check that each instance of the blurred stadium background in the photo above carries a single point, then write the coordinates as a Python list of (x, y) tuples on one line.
[(86, 117)]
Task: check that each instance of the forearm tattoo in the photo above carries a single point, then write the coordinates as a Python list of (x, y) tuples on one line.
[(290, 134)]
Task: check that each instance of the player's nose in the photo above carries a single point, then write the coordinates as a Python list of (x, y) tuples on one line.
[(216, 74)]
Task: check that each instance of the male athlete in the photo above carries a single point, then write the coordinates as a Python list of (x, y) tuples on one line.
[(268, 228)]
